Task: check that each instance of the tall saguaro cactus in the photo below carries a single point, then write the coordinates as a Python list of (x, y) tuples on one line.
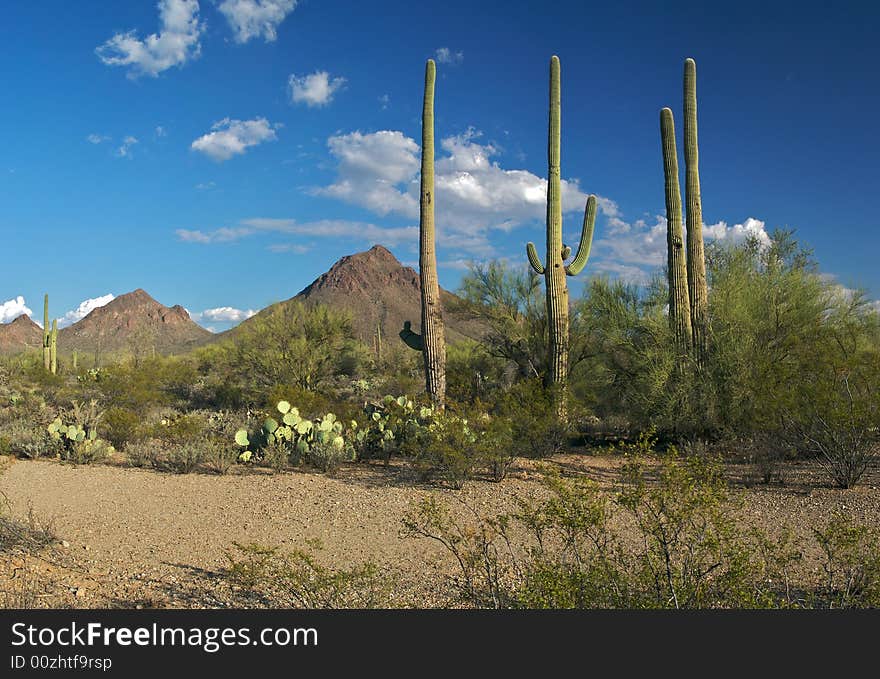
[(47, 335), (432, 341), (53, 347), (679, 302), (696, 261), (555, 270)]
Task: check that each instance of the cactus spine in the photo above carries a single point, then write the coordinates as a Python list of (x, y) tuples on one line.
[(47, 335), (679, 302), (53, 347), (432, 341), (696, 261), (555, 271)]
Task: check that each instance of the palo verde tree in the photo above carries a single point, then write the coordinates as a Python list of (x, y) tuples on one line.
[(555, 270), (432, 341)]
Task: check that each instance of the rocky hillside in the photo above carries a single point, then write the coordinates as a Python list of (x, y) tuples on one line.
[(20, 334), (133, 322), (380, 291)]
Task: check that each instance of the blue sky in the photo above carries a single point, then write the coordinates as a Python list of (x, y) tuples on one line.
[(221, 154)]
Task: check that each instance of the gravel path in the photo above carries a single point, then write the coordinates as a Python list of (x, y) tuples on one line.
[(135, 537)]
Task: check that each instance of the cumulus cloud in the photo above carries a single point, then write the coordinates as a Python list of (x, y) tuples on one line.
[(444, 55), (230, 137), (124, 151), (176, 42), (315, 89), (161, 131), (380, 172), (97, 138), (223, 314), (384, 101), (13, 308), (84, 309), (256, 18), (633, 250)]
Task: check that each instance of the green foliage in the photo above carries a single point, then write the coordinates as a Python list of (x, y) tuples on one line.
[(296, 579), (851, 564), (122, 425), (571, 548), (78, 441), (291, 344)]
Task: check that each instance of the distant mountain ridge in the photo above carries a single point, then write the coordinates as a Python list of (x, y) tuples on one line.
[(380, 292), (373, 286), (20, 334)]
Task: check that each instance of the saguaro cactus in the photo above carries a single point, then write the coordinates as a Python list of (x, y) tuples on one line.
[(47, 335), (53, 347), (432, 341), (555, 270), (696, 261), (679, 302)]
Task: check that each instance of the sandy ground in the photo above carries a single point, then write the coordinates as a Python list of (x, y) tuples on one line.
[(141, 538)]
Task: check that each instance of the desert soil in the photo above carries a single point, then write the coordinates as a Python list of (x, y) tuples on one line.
[(141, 538)]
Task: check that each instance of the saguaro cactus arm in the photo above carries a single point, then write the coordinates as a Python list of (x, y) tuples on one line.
[(411, 338), (534, 259), (583, 252)]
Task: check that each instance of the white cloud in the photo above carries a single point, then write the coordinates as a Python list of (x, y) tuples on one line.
[(124, 151), (222, 235), (290, 247), (738, 233), (631, 251), (97, 138), (176, 42), (233, 137), (385, 101), (256, 18), (205, 186), (223, 314), (315, 89), (380, 172), (161, 131), (84, 309), (327, 228), (445, 55), (13, 308)]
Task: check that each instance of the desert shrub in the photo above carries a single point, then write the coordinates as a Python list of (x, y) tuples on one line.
[(537, 430), (446, 448), (328, 457), (297, 580), (143, 453), (87, 451), (571, 549), (121, 425), (851, 565), (177, 429), (181, 458), (25, 440), (472, 373)]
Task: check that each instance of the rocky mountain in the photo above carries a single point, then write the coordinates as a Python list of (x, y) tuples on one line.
[(20, 334), (380, 291), (133, 322)]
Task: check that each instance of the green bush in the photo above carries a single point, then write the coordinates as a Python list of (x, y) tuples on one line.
[(121, 425), (297, 580)]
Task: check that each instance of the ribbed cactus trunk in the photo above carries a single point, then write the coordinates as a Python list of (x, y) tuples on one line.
[(555, 270), (696, 259), (53, 348), (74, 360), (433, 335), (47, 336), (679, 302)]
